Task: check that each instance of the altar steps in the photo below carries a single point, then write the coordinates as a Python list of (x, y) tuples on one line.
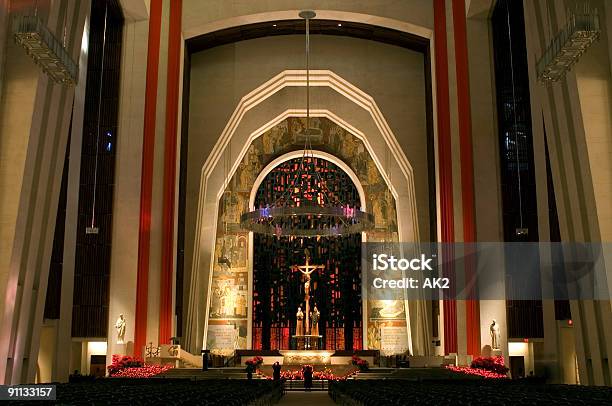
[(212, 373), (410, 374), (374, 373)]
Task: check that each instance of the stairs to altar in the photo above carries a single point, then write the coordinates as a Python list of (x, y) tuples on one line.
[(211, 373), (410, 374), (374, 373)]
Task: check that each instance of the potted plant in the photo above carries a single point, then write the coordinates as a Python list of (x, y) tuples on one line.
[(360, 363), (252, 364), (121, 362), (491, 364)]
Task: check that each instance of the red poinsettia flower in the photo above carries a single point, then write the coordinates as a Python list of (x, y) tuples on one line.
[(127, 366), (325, 374), (487, 367)]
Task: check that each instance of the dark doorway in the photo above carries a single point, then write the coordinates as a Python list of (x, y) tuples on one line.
[(517, 367), (97, 366)]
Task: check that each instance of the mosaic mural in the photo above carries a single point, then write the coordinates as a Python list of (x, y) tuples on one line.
[(229, 289)]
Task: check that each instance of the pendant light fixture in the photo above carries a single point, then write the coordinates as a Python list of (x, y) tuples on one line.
[(307, 208), (580, 32), (32, 34), (93, 229)]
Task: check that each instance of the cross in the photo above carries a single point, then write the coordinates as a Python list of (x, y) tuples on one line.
[(307, 269)]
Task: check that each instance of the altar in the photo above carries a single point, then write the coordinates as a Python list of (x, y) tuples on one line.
[(297, 358), (304, 357)]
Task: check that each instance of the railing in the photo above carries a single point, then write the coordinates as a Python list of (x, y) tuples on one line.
[(188, 357), (230, 360), (175, 352)]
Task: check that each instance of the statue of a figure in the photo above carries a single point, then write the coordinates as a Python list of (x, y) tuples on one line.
[(315, 316), (494, 330), (120, 326), (299, 328)]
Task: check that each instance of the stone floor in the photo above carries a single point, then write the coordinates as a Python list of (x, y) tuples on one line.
[(306, 398)]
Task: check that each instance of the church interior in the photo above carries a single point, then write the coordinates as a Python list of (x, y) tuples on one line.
[(308, 201)]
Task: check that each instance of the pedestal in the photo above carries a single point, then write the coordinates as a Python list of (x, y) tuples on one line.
[(120, 349)]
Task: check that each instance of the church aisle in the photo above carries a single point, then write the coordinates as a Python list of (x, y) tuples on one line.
[(306, 398)]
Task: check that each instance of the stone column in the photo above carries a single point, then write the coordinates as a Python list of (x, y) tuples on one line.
[(126, 212), (31, 168), (576, 114)]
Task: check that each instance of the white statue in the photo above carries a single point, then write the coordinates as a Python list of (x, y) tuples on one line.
[(299, 327), (495, 335), (120, 326)]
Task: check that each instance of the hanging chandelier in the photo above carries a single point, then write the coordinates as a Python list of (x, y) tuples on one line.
[(41, 45), (307, 208), (579, 33)]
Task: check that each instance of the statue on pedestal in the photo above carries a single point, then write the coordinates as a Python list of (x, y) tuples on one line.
[(299, 328), (495, 335), (120, 326), (315, 316)]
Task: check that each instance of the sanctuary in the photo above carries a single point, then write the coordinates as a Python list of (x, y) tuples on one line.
[(212, 188)]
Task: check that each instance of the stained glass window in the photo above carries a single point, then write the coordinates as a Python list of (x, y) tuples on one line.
[(278, 289)]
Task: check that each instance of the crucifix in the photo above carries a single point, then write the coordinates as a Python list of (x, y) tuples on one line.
[(306, 270)]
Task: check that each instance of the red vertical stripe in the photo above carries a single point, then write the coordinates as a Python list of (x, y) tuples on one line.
[(146, 182), (467, 169), (172, 107), (445, 166)]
